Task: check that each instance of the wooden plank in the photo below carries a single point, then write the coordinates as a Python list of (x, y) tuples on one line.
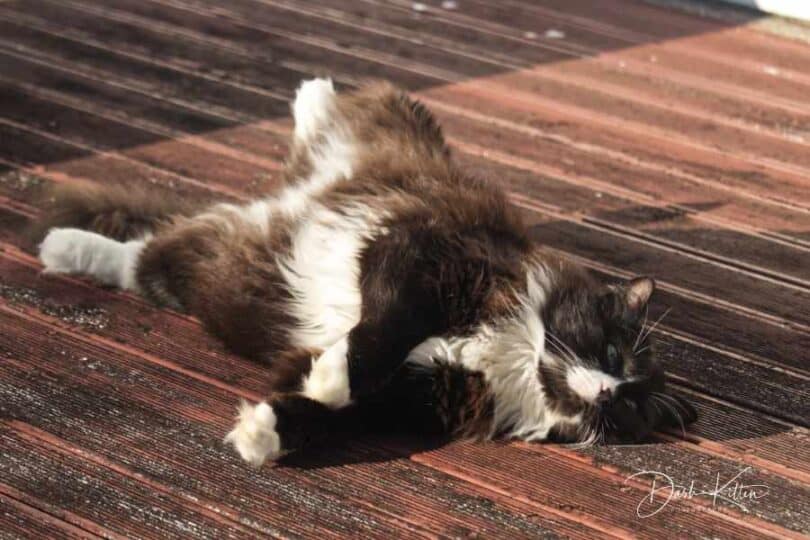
[(611, 18), (730, 109), (108, 96), (68, 486), (510, 476), (594, 37), (137, 70), (757, 47), (277, 21), (748, 437), (593, 191), (753, 177), (61, 159), (623, 105), (667, 459), (639, 257), (165, 429), (222, 172), (21, 521), (291, 58)]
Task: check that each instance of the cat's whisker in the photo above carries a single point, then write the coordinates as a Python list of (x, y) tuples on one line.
[(572, 356), (655, 324), (668, 401), (557, 346), (641, 350), (641, 330)]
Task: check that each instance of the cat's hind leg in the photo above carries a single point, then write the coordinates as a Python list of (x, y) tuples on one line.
[(282, 424), (313, 107), (311, 388), (74, 251)]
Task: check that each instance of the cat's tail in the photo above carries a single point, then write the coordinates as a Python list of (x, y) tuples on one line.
[(115, 211)]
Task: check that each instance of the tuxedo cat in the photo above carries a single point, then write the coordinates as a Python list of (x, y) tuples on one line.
[(381, 276)]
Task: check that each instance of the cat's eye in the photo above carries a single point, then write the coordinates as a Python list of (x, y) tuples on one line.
[(614, 360)]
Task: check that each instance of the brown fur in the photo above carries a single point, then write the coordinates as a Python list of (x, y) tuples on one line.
[(113, 210), (227, 276), (290, 367)]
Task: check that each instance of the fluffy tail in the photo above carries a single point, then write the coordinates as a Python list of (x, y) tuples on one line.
[(115, 211)]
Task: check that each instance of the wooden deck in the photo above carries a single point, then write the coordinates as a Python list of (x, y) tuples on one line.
[(637, 138)]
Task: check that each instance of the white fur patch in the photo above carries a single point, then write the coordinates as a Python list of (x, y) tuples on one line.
[(507, 353), (255, 436), (332, 153), (322, 271), (74, 251), (313, 106), (587, 383), (328, 380)]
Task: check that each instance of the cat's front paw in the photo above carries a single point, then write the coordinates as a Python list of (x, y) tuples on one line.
[(255, 436), (60, 251)]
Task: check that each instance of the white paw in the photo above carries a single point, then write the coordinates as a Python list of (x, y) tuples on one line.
[(312, 107), (328, 379), (255, 436), (61, 250)]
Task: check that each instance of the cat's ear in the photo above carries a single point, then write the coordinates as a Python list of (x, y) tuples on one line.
[(637, 293), (628, 300)]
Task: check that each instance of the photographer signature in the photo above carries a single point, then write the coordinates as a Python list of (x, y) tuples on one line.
[(664, 489)]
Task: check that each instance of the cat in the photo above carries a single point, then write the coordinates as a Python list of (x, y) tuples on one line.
[(384, 277)]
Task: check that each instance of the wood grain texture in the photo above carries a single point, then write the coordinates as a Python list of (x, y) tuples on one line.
[(635, 139)]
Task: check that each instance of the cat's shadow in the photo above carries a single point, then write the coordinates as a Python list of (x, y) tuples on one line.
[(366, 446)]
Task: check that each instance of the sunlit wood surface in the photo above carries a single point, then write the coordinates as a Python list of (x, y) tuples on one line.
[(636, 138)]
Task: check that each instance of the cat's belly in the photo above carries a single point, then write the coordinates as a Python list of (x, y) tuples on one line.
[(322, 271)]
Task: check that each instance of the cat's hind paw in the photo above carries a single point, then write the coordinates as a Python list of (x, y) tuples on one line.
[(60, 251), (312, 107), (255, 436)]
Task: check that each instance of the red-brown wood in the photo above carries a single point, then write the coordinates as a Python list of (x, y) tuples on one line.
[(644, 139)]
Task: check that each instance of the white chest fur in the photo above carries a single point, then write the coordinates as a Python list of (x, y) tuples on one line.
[(322, 270), (507, 354)]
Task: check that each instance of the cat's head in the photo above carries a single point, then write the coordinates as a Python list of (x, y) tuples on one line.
[(599, 363)]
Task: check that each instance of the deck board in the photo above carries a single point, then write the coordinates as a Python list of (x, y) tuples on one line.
[(642, 140)]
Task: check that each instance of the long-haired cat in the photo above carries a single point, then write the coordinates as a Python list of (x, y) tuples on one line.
[(382, 275)]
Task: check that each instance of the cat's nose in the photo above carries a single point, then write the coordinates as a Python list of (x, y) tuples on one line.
[(604, 396)]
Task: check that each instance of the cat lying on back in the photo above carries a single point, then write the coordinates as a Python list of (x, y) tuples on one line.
[(382, 274)]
